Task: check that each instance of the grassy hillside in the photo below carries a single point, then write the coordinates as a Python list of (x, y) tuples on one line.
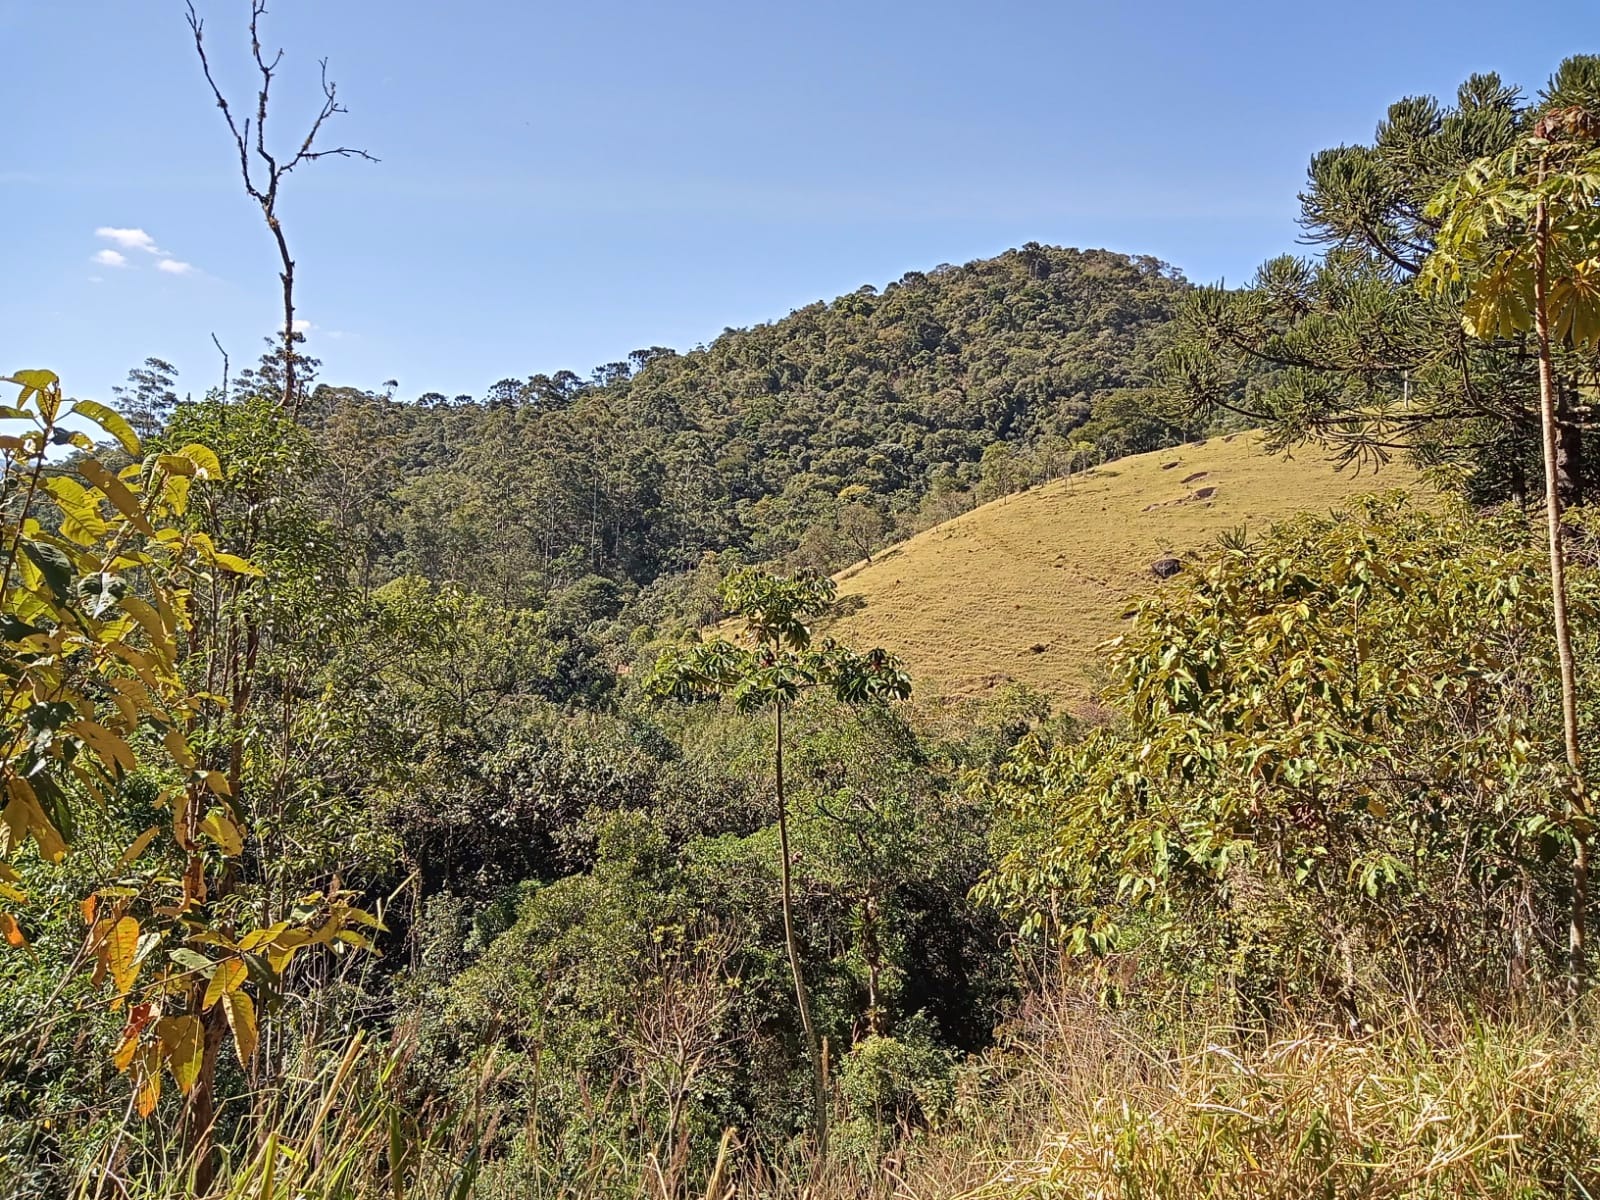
[(1026, 587)]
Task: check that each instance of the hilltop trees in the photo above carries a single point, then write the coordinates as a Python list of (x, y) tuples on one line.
[(149, 396), (759, 442)]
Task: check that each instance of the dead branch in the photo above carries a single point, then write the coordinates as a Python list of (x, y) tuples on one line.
[(262, 172)]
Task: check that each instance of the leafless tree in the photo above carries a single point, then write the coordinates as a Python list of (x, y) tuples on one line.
[(264, 172)]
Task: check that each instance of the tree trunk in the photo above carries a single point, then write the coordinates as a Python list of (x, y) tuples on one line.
[(202, 1115), (1569, 447), (1519, 484), (819, 1097), (1577, 939), (872, 951)]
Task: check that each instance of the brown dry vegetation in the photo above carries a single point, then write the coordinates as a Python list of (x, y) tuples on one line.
[(1024, 588), (1086, 1104)]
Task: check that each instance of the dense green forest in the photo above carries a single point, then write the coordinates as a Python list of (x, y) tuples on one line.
[(811, 440), (449, 797)]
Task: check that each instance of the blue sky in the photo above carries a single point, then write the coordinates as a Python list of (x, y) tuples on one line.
[(563, 183)]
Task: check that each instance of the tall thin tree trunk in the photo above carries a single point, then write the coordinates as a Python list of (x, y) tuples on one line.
[(202, 1114), (819, 1097), (1577, 938)]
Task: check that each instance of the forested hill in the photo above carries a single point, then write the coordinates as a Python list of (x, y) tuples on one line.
[(810, 439)]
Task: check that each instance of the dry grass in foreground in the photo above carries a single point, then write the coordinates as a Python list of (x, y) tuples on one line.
[(1026, 587), (1094, 1106), (1077, 1104)]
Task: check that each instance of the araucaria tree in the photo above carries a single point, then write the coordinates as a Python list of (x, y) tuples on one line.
[(1344, 351), (769, 669)]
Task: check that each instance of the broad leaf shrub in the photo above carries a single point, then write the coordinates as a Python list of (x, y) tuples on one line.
[(1333, 769), (102, 603)]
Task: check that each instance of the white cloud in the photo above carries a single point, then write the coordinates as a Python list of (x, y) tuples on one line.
[(110, 258), (173, 267), (303, 326), (128, 239)]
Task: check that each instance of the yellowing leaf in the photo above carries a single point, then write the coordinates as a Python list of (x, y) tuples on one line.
[(260, 937), (140, 844), (204, 459), (232, 562), (74, 500), (122, 943), (183, 1039), (178, 746), (24, 815), (228, 978), (117, 492), (149, 1080), (122, 1056), (241, 1014), (175, 491), (175, 464), (112, 422), (34, 379), (11, 931), (108, 746), (138, 1018), (149, 619), (220, 828)]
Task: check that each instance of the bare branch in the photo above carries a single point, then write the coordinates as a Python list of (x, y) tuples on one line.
[(262, 186), (224, 354), (241, 140)]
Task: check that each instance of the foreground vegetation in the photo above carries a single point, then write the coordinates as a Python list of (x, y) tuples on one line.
[(379, 820)]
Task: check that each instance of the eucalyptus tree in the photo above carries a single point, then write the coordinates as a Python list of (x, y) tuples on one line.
[(767, 670)]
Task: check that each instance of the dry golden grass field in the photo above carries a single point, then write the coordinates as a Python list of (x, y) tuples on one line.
[(1026, 588)]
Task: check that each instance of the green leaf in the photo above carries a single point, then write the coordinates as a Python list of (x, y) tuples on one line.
[(54, 565), (191, 960)]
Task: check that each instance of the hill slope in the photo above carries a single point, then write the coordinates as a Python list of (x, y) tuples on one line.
[(1026, 587)]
